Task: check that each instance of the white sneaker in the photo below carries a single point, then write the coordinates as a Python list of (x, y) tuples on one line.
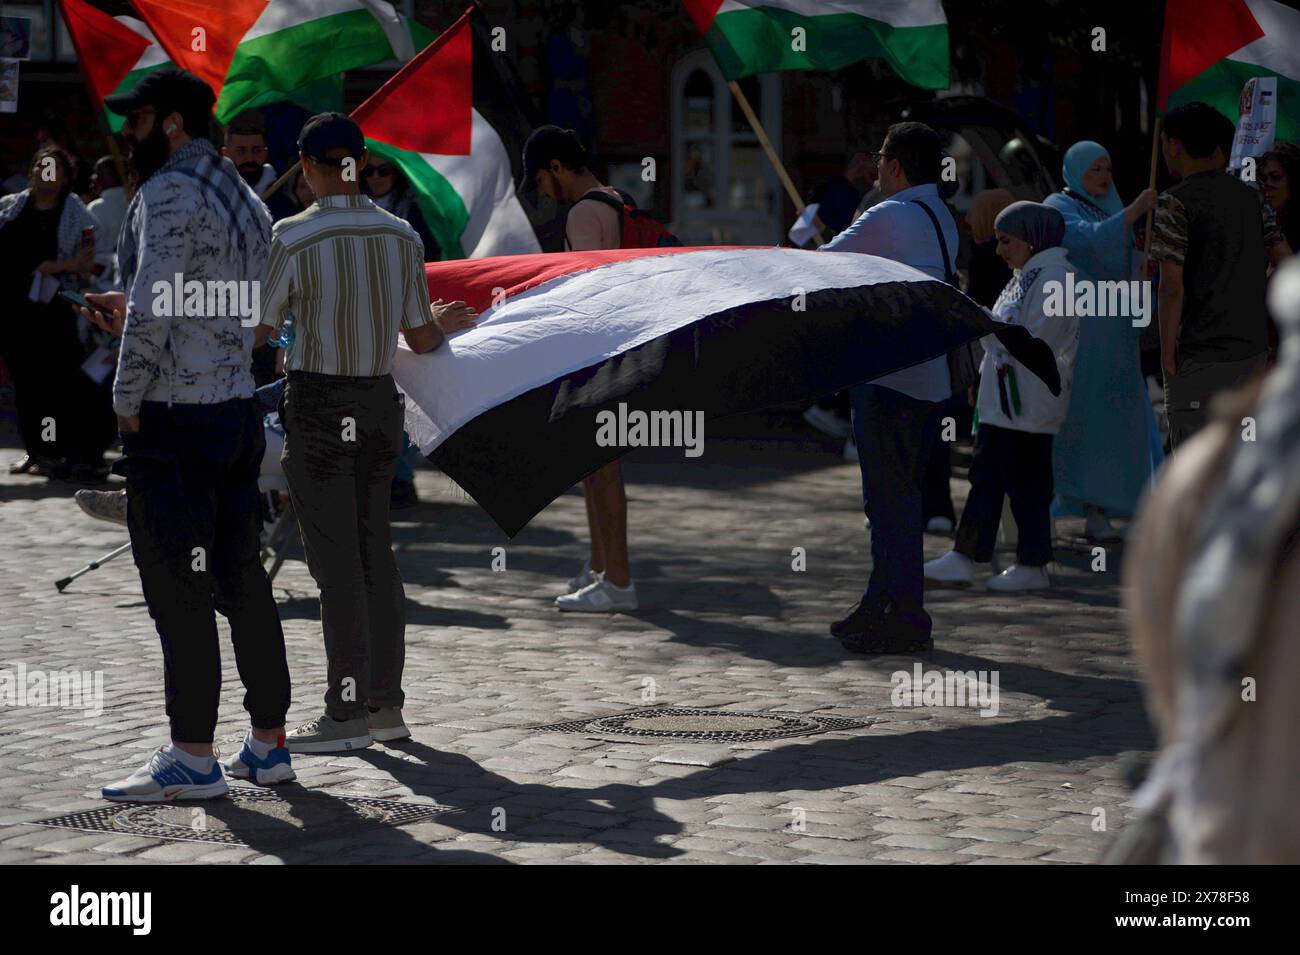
[(103, 505), (951, 568), (1017, 577), (1098, 529), (600, 597), (828, 422), (586, 578), (165, 778), (938, 525)]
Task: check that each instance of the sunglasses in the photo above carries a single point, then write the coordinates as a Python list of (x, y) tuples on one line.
[(384, 170)]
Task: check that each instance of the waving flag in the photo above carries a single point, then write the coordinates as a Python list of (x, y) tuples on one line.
[(508, 409), (758, 36), (1210, 50), (260, 51), (114, 53), (427, 120)]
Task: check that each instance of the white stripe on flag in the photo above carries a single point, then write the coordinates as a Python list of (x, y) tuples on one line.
[(1278, 50), (578, 320), (896, 13)]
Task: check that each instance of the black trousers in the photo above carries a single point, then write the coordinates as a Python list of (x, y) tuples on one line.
[(936, 491), (1017, 464), (342, 440), (193, 512)]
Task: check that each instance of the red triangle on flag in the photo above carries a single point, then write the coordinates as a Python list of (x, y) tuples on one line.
[(174, 23), (1198, 35), (428, 107), (702, 12), (106, 50)]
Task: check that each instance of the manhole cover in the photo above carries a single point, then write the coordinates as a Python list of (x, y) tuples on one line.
[(706, 726), (253, 818)]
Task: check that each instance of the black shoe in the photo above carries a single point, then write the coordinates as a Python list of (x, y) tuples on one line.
[(403, 496), (858, 620), (889, 629), (88, 473)]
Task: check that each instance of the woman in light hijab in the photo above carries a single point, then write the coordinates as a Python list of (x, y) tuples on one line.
[(1108, 446), (1017, 413)]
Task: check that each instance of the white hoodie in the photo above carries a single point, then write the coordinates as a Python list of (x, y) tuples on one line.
[(1040, 412)]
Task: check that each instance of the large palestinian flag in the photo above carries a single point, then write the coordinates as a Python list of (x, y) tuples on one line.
[(509, 409), (448, 121), (1210, 51), (114, 53), (764, 36)]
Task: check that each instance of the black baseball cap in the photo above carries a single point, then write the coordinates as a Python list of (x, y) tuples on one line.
[(168, 91), (547, 143), (326, 132)]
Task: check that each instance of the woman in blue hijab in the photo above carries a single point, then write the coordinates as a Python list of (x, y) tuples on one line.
[(1108, 445)]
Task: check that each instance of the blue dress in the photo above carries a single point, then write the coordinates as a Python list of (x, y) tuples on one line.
[(1108, 446)]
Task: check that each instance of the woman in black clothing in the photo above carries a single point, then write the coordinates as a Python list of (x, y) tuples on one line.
[(383, 182), (46, 232)]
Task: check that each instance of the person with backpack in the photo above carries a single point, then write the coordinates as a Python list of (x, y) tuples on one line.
[(895, 419), (556, 164)]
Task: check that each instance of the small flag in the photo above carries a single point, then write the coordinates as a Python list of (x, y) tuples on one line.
[(765, 36), (426, 120)]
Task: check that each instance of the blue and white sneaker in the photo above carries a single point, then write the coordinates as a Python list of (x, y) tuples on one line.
[(273, 769), (165, 778)]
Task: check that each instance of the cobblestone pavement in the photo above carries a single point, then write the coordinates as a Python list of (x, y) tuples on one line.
[(726, 624)]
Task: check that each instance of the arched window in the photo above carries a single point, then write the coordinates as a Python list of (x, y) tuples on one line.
[(724, 190)]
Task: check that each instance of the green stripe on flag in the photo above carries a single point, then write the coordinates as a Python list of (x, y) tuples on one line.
[(1221, 84), (443, 208), (759, 40), (268, 68)]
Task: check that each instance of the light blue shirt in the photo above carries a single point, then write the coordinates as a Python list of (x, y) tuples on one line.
[(896, 229)]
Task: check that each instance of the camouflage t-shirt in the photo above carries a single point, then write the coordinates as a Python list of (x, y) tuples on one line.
[(1219, 230)]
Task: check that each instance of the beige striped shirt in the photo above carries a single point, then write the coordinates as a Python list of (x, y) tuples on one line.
[(350, 274)]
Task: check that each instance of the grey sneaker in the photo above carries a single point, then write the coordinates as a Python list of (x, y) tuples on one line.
[(386, 724), (103, 505), (325, 734), (600, 597), (586, 577)]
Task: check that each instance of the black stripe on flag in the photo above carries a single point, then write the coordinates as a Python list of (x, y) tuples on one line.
[(518, 457)]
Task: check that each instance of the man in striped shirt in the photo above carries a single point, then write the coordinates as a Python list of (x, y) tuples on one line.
[(343, 276)]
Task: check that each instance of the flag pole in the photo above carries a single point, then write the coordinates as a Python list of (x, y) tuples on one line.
[(274, 187), (1151, 184), (766, 143)]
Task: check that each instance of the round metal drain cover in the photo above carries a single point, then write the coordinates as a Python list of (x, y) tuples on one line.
[(704, 725)]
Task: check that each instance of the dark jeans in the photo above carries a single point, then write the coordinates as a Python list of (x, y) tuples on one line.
[(895, 435), (1019, 465), (342, 440), (1188, 394), (191, 482), (936, 488)]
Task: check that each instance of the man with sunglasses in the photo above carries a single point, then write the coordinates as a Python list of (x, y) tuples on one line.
[(894, 418), (192, 439)]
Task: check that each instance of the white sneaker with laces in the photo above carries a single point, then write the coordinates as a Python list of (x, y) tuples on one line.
[(585, 578), (103, 505), (1018, 577), (165, 778), (951, 568), (600, 597), (938, 525)]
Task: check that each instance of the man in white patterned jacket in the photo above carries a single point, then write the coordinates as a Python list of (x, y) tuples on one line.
[(192, 250)]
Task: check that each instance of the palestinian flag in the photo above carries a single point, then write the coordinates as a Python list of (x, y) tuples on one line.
[(757, 36), (509, 409), (114, 53), (1210, 50), (427, 120), (262, 51)]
